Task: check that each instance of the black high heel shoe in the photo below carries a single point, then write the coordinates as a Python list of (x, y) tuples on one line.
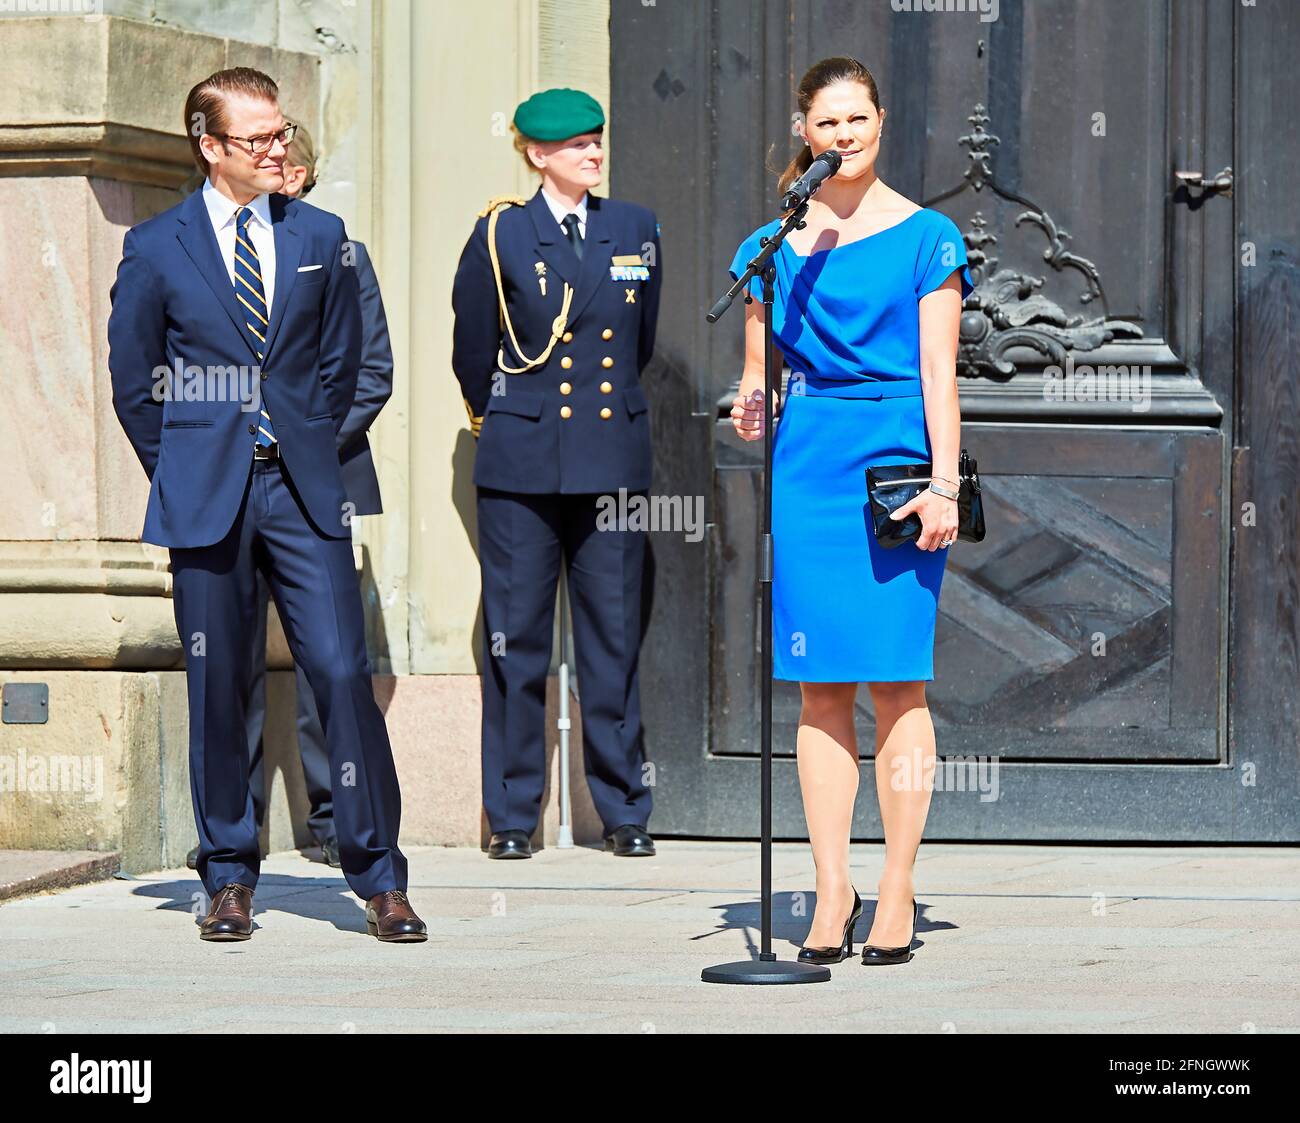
[(841, 953), (874, 956)]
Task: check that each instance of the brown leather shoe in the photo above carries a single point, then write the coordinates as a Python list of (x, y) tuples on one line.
[(389, 917), (231, 914)]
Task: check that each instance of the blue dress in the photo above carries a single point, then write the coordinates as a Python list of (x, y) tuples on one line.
[(845, 609)]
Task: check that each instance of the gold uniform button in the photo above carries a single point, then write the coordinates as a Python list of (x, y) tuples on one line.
[(608, 333), (567, 337), (606, 387), (566, 362), (607, 413), (566, 387), (566, 412), (607, 362)]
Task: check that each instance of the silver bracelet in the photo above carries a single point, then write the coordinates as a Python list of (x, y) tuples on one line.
[(943, 491)]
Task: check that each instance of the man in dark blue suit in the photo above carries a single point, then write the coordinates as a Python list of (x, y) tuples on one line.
[(556, 301), (361, 485), (241, 288)]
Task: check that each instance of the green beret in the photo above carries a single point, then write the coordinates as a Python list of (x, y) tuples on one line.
[(559, 114)]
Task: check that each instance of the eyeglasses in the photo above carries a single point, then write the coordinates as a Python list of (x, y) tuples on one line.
[(261, 145)]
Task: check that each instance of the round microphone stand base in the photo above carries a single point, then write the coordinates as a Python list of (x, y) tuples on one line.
[(759, 971)]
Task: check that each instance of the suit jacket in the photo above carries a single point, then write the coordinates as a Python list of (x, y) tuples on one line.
[(374, 388), (579, 422), (174, 310)]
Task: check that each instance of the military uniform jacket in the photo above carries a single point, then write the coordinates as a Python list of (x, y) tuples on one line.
[(579, 421)]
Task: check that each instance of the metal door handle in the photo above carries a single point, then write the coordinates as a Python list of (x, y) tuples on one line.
[(1221, 182)]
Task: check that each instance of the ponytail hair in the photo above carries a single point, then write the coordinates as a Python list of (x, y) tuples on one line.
[(819, 76), (794, 169)]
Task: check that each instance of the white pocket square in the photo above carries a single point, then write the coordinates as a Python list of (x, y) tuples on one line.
[(307, 268)]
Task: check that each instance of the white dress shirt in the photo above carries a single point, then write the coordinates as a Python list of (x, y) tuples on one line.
[(222, 211), (560, 211)]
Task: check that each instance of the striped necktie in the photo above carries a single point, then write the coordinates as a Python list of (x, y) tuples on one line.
[(252, 296)]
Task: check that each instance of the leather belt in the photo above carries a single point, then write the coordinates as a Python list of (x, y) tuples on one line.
[(267, 452)]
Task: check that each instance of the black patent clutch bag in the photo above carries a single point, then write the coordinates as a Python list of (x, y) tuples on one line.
[(891, 486)]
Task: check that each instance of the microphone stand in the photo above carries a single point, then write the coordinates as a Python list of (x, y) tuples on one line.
[(766, 968)]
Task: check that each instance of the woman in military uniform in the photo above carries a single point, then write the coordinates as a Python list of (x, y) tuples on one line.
[(555, 303)]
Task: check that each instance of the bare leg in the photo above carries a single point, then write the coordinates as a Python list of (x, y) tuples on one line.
[(828, 779), (905, 760)]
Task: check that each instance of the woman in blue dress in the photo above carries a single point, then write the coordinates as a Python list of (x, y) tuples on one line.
[(868, 301)]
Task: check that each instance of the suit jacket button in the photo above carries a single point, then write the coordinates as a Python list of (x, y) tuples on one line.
[(252, 428), (608, 333), (606, 388), (607, 362), (265, 375), (566, 412), (607, 413), (567, 337), (566, 387), (566, 362)]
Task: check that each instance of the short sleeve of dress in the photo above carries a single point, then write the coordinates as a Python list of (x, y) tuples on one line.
[(942, 252), (744, 255)]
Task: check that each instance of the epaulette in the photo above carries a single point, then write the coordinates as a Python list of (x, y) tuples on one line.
[(500, 200)]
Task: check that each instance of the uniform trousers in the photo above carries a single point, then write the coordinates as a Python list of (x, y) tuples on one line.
[(522, 540)]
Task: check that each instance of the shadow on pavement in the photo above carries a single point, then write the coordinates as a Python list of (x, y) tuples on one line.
[(792, 915), (327, 899)]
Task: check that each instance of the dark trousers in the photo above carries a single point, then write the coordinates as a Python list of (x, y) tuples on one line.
[(311, 737), (522, 539), (314, 583)]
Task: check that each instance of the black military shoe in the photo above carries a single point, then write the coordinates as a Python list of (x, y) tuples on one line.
[(510, 844), (192, 859), (630, 841), (330, 852)]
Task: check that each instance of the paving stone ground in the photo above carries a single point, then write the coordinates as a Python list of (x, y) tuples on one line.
[(1075, 939)]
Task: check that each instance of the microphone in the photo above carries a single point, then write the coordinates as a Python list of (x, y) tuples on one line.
[(803, 188)]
